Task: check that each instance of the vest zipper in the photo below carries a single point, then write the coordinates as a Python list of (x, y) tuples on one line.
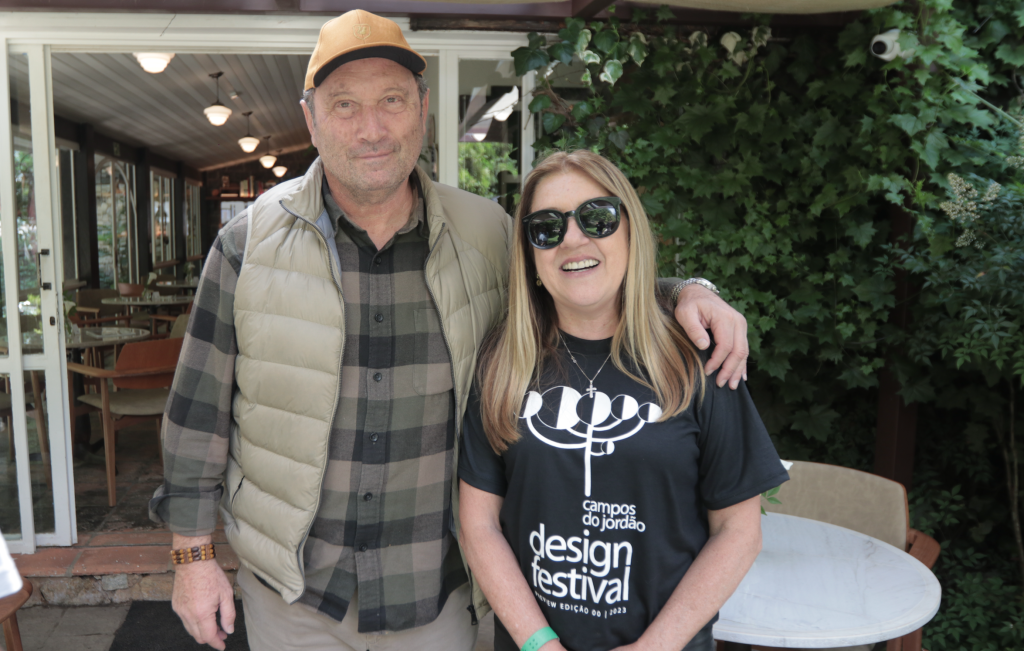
[(455, 456), (337, 391)]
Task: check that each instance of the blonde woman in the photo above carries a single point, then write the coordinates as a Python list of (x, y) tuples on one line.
[(609, 493)]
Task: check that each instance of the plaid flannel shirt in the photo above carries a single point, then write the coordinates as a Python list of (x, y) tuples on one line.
[(387, 486)]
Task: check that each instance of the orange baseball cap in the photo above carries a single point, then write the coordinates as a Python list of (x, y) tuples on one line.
[(358, 34)]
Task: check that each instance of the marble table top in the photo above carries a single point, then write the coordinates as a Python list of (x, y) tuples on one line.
[(91, 337), (32, 342), (156, 300), (178, 284), (818, 585)]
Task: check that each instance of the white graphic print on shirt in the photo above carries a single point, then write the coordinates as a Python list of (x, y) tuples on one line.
[(598, 571), (605, 418)]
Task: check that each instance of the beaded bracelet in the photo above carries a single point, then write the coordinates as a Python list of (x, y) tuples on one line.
[(193, 554)]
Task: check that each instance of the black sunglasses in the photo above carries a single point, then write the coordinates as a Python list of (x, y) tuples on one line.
[(598, 217)]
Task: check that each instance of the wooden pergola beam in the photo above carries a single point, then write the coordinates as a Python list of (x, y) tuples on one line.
[(589, 8)]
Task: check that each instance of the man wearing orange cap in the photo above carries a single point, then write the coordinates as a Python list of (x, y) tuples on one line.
[(326, 370)]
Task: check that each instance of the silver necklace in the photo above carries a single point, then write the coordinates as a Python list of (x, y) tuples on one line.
[(590, 389)]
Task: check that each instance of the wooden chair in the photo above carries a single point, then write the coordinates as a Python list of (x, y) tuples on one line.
[(9, 615), (860, 501), (143, 374)]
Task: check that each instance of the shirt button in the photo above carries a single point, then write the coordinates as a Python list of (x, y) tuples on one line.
[(373, 437), (376, 261), (378, 317), (362, 547), (378, 377), (368, 497)]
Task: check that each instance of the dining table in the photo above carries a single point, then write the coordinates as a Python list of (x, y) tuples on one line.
[(178, 284), (150, 301), (817, 585)]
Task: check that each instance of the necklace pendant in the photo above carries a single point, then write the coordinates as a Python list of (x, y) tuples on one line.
[(590, 390)]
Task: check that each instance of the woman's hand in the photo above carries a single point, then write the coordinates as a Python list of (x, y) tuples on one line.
[(698, 310)]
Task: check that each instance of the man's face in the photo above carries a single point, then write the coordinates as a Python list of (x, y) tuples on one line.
[(368, 127)]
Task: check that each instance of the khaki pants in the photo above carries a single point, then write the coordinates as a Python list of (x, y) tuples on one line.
[(273, 625)]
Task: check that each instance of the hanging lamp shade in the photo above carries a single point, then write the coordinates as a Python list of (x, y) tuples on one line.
[(248, 143), (267, 160), (280, 171), (217, 113), (153, 62)]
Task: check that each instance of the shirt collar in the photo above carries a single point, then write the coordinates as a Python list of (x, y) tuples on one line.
[(417, 217)]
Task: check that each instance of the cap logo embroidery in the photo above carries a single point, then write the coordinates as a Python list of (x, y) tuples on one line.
[(361, 31)]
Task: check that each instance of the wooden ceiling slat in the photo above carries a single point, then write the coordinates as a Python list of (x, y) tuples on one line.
[(164, 112)]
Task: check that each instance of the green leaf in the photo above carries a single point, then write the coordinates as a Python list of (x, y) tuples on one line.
[(583, 40), (527, 59), (816, 422), (540, 103), (875, 290), (909, 123), (536, 40), (1012, 54), (935, 145), (699, 120), (619, 138), (562, 52), (861, 233), (637, 49), (605, 40), (612, 72), (551, 121), (591, 57), (774, 500)]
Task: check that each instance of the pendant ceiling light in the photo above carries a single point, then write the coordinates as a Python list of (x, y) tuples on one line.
[(248, 143), (217, 113), (267, 160), (280, 171), (153, 62)]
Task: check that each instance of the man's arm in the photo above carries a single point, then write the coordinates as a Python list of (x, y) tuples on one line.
[(197, 423), (698, 310)]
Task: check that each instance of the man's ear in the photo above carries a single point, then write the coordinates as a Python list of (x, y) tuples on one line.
[(425, 108), (310, 121)]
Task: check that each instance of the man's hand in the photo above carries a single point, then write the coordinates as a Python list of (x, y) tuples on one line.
[(699, 310), (200, 590)]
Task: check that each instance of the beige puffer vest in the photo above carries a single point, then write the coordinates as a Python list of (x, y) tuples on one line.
[(290, 327)]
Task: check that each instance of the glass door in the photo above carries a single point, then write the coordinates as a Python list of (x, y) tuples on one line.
[(36, 502)]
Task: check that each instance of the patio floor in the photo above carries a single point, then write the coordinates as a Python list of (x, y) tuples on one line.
[(121, 555)]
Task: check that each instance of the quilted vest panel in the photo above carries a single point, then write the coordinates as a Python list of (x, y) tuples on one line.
[(290, 328)]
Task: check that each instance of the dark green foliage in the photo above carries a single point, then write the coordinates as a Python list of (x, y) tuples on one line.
[(773, 167)]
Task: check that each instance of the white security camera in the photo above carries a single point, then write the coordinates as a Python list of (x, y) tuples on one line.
[(886, 45)]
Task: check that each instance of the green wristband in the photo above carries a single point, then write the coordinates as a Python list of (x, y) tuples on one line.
[(539, 639)]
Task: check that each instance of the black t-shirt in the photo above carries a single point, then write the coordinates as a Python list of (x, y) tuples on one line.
[(605, 528)]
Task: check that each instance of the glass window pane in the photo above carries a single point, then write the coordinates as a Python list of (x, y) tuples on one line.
[(25, 208), (489, 119), (39, 452), (10, 515), (66, 161), (115, 211)]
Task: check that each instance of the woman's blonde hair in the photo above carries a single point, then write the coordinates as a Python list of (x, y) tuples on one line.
[(515, 353)]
